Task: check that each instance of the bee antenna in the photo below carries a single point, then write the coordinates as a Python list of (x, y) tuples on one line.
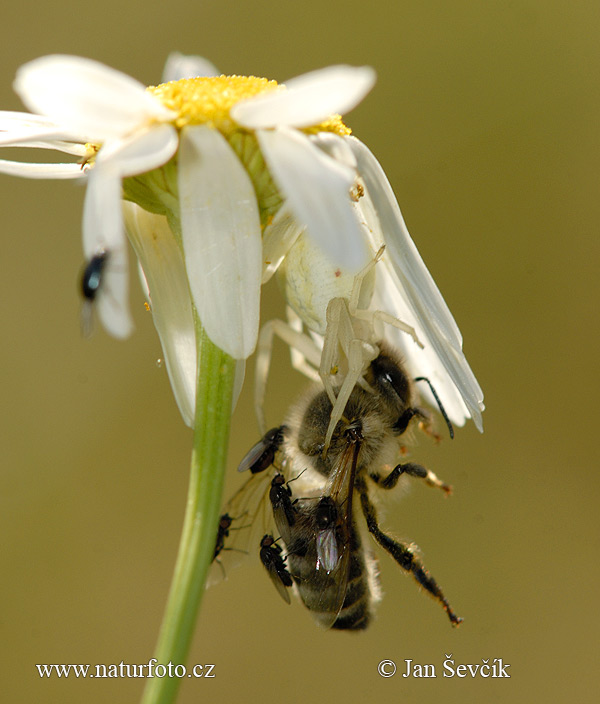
[(439, 403)]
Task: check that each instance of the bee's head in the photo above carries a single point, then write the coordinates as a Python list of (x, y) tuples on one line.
[(390, 382)]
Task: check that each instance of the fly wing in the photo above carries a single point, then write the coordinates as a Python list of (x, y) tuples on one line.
[(250, 518), (262, 455), (284, 511), (281, 580)]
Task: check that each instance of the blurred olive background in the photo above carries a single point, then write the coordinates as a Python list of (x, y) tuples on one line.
[(485, 119)]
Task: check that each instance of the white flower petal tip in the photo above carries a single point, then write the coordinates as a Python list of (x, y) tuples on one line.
[(40, 171), (180, 66), (221, 239), (308, 99), (86, 96), (141, 152)]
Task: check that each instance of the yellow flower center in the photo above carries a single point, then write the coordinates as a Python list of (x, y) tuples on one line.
[(200, 101)]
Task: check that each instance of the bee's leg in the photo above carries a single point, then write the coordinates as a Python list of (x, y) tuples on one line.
[(413, 470), (405, 557), (426, 423)]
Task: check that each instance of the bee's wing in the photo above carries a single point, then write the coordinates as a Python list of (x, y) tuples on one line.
[(250, 515), (332, 553), (328, 551)]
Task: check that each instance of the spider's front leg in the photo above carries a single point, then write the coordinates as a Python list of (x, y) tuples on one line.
[(307, 354)]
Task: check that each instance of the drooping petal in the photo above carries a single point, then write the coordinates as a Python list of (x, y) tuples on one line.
[(187, 66), (103, 231), (112, 301), (308, 99), (86, 96), (390, 296), (317, 189), (430, 315), (221, 239), (30, 170), (401, 248), (141, 152), (170, 302)]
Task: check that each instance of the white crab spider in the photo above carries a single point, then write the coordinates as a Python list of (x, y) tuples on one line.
[(342, 319), (350, 333)]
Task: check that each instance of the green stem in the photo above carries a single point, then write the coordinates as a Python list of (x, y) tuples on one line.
[(216, 372)]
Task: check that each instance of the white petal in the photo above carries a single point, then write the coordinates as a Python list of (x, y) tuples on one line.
[(277, 239), (14, 118), (30, 170), (141, 152), (221, 239), (59, 146), (103, 231), (336, 147), (181, 66), (432, 318), (238, 382), (12, 137), (166, 279), (308, 99), (400, 247), (112, 301), (25, 127), (317, 189), (86, 96), (390, 296), (11, 120)]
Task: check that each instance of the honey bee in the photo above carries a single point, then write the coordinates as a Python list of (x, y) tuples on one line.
[(334, 572), (325, 557)]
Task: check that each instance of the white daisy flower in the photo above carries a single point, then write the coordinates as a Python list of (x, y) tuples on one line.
[(241, 170), (190, 151)]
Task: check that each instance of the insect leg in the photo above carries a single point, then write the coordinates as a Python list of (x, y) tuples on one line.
[(293, 338), (413, 470), (405, 557)]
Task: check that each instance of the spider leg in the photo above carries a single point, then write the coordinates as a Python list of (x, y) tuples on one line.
[(360, 355), (338, 334), (299, 341)]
